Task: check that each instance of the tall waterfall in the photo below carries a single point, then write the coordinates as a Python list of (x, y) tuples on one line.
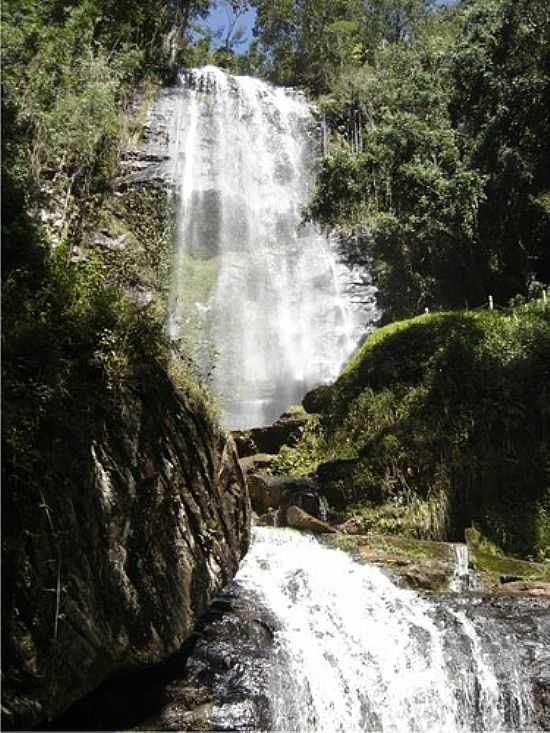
[(356, 653), (256, 292)]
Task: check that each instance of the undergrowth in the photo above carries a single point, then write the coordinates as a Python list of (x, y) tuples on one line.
[(448, 417)]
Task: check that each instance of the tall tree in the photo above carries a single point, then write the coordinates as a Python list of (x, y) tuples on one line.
[(501, 109)]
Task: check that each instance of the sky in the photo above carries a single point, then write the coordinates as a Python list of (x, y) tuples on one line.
[(217, 20)]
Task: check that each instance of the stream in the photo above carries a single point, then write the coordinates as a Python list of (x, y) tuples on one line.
[(306, 638)]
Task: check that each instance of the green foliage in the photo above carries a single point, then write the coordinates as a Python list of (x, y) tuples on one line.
[(312, 42), (141, 224), (438, 173), (500, 100), (73, 343), (448, 417), (302, 462)]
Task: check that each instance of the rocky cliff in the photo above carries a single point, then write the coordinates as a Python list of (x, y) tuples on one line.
[(108, 568), (129, 510)]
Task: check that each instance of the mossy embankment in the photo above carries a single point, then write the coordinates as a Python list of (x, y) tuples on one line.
[(439, 423)]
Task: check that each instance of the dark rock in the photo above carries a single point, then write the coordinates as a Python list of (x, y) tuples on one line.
[(110, 571), (299, 519), (270, 439), (304, 493), (272, 492), (217, 681), (509, 579), (336, 481), (265, 491)]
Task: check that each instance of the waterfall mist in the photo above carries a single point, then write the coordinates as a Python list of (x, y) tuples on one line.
[(255, 291)]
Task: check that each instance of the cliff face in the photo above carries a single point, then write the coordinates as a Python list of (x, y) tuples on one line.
[(108, 569)]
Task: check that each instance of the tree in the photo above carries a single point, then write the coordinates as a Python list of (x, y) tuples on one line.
[(500, 107), (309, 42), (405, 202)]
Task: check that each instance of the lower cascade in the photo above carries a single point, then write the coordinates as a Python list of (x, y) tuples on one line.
[(308, 639), (355, 652)]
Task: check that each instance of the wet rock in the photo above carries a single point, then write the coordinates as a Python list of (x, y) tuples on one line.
[(257, 462), (430, 575), (269, 519), (271, 438), (216, 681), (266, 491), (299, 519), (148, 162), (111, 568), (336, 481)]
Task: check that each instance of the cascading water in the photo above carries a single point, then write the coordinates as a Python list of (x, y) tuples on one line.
[(255, 290), (356, 653), (461, 578), (307, 639)]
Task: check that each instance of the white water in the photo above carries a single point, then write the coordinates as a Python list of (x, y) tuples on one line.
[(268, 292), (354, 652), (461, 577)]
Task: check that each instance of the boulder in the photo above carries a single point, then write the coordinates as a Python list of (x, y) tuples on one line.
[(299, 519), (257, 462), (279, 492), (304, 493), (533, 589), (427, 574), (265, 491), (108, 566), (270, 439), (335, 479)]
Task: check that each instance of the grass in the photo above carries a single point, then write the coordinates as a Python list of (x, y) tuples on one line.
[(447, 415)]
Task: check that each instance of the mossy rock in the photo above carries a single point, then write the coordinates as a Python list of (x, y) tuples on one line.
[(498, 567)]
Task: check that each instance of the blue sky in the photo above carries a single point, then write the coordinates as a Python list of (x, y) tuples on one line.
[(217, 20)]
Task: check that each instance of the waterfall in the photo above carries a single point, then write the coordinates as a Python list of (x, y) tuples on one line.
[(461, 577), (355, 652), (256, 292)]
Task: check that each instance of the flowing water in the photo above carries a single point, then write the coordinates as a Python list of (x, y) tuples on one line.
[(256, 292), (307, 639), (354, 652)]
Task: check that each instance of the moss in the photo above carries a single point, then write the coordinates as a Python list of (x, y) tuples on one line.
[(137, 229), (447, 417), (379, 334), (501, 565), (199, 277), (405, 547), (413, 548)]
